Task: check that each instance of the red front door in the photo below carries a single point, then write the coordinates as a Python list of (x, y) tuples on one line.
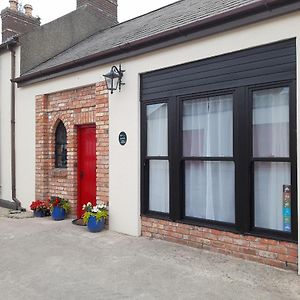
[(86, 167)]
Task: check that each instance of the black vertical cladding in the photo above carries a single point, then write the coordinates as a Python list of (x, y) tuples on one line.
[(240, 72)]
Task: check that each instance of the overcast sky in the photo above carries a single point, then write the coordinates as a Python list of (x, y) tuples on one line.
[(49, 10)]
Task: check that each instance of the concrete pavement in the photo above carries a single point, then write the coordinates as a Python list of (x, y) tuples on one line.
[(43, 259)]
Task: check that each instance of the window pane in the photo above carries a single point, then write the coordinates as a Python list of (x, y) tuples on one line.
[(157, 130), (61, 134), (159, 186), (271, 123), (210, 190), (61, 156), (61, 146), (272, 195), (208, 127)]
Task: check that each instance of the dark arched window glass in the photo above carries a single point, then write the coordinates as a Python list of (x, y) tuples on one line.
[(61, 146)]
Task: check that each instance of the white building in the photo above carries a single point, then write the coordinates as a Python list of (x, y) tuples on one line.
[(202, 136)]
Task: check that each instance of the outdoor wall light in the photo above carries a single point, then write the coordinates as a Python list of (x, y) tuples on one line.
[(113, 79)]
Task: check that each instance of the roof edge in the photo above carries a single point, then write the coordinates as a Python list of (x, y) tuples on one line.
[(266, 9), (9, 44)]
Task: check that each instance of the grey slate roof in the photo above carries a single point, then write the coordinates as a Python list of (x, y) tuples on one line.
[(175, 15), (44, 42)]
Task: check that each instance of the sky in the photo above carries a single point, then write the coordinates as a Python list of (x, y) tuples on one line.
[(50, 10)]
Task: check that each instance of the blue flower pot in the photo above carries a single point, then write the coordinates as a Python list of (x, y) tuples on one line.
[(39, 213), (94, 225), (58, 213)]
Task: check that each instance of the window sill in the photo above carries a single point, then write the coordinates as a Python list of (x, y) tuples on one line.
[(57, 172), (159, 216)]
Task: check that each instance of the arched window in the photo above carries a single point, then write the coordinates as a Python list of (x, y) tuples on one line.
[(61, 146)]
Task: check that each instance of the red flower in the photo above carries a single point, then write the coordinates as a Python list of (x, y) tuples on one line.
[(39, 205)]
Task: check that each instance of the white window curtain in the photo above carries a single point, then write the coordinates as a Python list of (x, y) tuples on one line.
[(271, 123), (209, 190), (157, 130), (208, 132), (208, 127), (159, 186), (157, 145), (270, 139), (269, 179)]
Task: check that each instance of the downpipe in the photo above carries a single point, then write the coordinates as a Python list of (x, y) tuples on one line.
[(18, 205)]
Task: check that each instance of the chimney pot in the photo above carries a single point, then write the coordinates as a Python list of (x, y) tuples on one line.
[(28, 10), (14, 4)]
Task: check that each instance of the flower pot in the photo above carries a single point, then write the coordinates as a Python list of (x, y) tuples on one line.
[(58, 213), (94, 225), (39, 213)]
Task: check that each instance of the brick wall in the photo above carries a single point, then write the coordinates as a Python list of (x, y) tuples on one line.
[(275, 253), (87, 105), (109, 7)]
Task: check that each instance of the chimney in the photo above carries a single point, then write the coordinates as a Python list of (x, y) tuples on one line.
[(109, 7), (14, 4), (15, 22), (28, 10)]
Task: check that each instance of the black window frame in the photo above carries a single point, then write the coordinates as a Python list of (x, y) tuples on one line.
[(242, 157), (63, 158), (292, 159), (183, 159), (148, 158)]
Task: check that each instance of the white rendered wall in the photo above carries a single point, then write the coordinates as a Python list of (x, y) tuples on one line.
[(124, 161), (124, 107), (25, 144), (5, 116)]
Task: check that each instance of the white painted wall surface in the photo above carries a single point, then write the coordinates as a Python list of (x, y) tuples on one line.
[(5, 117), (124, 111), (25, 144)]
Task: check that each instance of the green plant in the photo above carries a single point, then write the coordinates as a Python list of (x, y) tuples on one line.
[(99, 211), (59, 202)]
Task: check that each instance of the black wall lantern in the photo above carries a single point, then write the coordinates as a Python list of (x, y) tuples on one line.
[(113, 79)]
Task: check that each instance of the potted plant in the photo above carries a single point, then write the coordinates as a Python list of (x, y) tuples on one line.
[(59, 208), (94, 216), (40, 208)]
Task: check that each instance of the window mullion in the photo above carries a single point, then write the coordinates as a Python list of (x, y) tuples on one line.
[(144, 162), (242, 160), (174, 158)]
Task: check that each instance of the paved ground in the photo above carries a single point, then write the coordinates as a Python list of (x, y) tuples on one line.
[(43, 259), (4, 212)]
